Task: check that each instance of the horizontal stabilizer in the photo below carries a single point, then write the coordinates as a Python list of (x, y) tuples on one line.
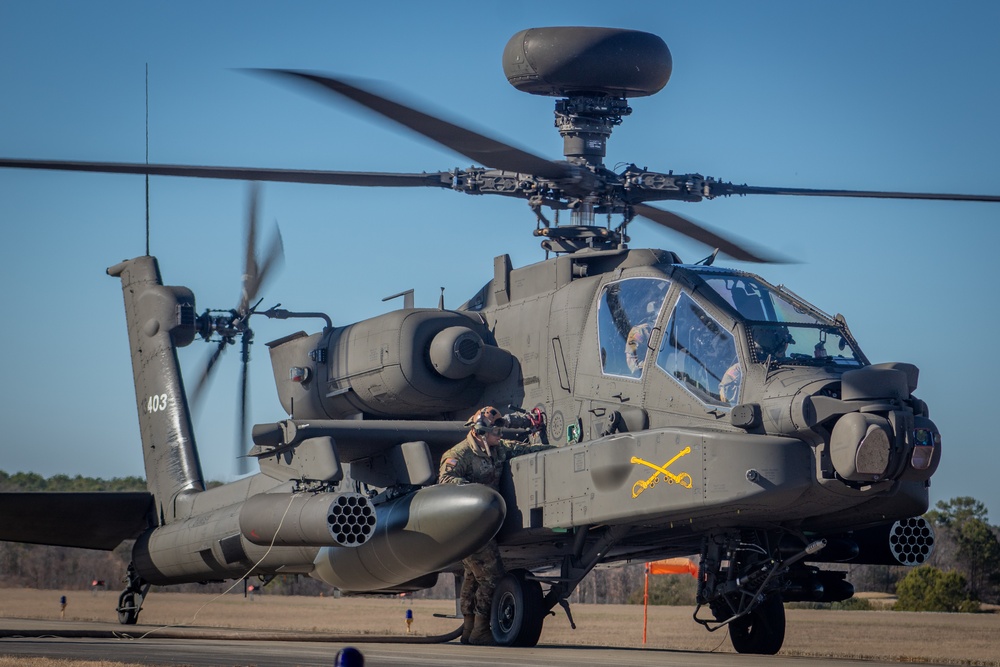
[(90, 520)]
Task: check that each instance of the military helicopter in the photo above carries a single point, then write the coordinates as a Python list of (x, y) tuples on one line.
[(695, 409)]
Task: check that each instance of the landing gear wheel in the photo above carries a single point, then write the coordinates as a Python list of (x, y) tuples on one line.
[(762, 631), (131, 599), (517, 614), (128, 612)]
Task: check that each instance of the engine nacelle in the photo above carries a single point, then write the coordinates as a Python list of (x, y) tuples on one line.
[(406, 363)]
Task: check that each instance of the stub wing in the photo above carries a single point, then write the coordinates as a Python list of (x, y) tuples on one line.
[(94, 520), (355, 439)]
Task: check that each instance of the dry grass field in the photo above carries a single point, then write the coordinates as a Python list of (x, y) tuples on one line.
[(961, 639), (45, 662)]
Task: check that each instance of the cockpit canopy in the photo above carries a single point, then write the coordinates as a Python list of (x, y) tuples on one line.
[(782, 327), (698, 343)]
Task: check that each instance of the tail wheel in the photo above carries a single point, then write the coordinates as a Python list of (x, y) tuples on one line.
[(517, 614), (128, 612), (762, 631)]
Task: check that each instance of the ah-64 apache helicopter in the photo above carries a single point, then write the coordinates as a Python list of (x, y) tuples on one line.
[(695, 409)]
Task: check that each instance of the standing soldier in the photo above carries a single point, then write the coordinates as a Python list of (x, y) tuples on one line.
[(479, 459)]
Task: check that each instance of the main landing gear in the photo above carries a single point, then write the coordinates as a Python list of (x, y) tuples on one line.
[(519, 607), (517, 613)]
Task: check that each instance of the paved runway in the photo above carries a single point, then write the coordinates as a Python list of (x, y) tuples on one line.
[(107, 641)]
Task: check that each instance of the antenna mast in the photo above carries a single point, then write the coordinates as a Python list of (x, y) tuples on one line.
[(147, 158)]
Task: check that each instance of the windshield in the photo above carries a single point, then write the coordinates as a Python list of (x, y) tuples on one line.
[(782, 327), (701, 355)]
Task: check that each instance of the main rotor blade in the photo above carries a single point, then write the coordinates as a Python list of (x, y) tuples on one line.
[(479, 148), (731, 189), (440, 179), (737, 250)]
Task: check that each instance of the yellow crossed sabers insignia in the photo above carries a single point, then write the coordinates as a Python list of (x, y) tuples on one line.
[(684, 479)]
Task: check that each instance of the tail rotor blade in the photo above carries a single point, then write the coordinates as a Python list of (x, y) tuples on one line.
[(206, 373), (250, 270), (255, 272), (242, 462), (273, 258)]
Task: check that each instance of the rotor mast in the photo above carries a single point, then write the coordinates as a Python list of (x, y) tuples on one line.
[(585, 123)]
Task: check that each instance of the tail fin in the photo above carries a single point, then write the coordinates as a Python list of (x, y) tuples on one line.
[(161, 319)]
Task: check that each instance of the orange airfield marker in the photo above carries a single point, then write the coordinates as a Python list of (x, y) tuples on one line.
[(673, 566)]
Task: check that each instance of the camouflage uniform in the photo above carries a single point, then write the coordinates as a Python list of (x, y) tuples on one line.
[(469, 462)]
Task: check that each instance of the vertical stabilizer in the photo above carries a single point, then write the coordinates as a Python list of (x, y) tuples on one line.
[(161, 319)]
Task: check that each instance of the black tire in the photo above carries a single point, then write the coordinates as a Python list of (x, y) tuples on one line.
[(128, 613), (516, 615), (762, 631)]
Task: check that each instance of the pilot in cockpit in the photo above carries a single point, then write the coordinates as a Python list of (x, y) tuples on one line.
[(771, 341), (729, 386), (637, 342)]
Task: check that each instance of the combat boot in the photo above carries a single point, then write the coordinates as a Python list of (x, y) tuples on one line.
[(470, 622), (481, 633)]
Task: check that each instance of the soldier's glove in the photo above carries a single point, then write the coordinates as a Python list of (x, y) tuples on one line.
[(533, 420)]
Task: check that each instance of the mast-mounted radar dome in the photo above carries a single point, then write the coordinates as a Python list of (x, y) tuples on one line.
[(570, 61)]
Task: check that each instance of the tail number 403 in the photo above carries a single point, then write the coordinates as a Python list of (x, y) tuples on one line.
[(156, 403)]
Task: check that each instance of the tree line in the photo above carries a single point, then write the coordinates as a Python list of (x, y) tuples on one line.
[(962, 573), (29, 481)]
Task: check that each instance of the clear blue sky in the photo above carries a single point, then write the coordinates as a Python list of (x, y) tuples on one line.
[(861, 95)]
